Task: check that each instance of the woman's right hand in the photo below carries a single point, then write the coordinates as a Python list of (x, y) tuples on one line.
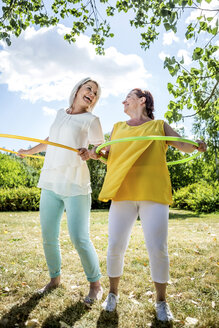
[(202, 146), (22, 152), (84, 154)]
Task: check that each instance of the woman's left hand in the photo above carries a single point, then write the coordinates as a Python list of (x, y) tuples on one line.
[(202, 146), (93, 153), (84, 154)]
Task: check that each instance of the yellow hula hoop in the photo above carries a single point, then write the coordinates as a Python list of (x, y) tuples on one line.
[(11, 136), (163, 138), (15, 152)]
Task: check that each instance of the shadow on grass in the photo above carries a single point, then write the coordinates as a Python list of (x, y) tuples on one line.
[(158, 324), (183, 216), (108, 319), (70, 316), (19, 313)]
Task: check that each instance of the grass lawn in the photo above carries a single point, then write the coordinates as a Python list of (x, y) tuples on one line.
[(192, 290)]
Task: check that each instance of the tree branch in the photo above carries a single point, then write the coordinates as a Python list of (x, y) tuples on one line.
[(197, 8), (191, 115), (210, 40), (183, 68), (204, 102), (211, 94)]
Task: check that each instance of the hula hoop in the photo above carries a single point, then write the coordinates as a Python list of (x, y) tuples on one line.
[(15, 152), (34, 140), (164, 138)]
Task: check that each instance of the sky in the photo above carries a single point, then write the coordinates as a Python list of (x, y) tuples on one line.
[(40, 68)]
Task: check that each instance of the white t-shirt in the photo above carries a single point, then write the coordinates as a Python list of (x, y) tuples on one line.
[(64, 172)]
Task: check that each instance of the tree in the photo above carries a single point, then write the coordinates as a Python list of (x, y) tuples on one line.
[(206, 126), (187, 173), (190, 88)]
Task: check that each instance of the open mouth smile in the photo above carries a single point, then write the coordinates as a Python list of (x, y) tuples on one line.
[(88, 99)]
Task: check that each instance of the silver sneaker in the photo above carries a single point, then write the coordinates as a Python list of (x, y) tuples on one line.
[(163, 311), (110, 302)]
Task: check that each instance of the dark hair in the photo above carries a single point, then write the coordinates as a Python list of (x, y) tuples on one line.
[(149, 105)]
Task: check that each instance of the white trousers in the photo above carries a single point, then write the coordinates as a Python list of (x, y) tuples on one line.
[(154, 221)]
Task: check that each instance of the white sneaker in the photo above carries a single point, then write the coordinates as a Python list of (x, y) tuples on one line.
[(110, 302), (163, 311)]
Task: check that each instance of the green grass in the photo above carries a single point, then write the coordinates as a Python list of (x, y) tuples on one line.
[(192, 291)]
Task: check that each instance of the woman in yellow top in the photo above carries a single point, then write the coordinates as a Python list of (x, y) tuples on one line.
[(138, 183)]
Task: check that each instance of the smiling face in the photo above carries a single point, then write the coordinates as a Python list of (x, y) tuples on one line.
[(86, 95), (132, 102)]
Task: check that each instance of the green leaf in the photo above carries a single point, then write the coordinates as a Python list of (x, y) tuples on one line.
[(195, 71), (209, 19), (182, 60), (110, 11), (167, 26), (214, 31), (8, 41), (170, 86), (197, 53)]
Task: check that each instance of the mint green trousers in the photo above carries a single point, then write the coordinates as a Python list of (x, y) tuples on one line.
[(77, 209)]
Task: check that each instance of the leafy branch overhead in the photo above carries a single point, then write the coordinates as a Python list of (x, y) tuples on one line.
[(148, 17)]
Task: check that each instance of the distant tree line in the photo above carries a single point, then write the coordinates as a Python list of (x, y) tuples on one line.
[(19, 177)]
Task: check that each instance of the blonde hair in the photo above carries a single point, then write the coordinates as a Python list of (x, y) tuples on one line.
[(78, 86)]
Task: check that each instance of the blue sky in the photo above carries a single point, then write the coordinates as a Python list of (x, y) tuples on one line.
[(39, 70)]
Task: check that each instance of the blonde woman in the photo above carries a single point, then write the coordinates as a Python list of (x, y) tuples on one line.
[(65, 183)]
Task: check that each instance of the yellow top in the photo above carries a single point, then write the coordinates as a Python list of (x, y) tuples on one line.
[(137, 170)]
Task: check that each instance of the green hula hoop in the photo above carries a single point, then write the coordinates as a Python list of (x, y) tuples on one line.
[(163, 138)]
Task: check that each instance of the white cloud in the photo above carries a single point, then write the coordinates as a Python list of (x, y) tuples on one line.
[(162, 55), (41, 65), (169, 37), (47, 111), (204, 5), (190, 43), (185, 54)]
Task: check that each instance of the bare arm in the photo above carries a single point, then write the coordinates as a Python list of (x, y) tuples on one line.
[(105, 151), (185, 147), (86, 154), (34, 150), (107, 148)]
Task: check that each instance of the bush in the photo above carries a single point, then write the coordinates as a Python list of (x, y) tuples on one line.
[(16, 172), (20, 199), (198, 197), (11, 173), (97, 174)]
